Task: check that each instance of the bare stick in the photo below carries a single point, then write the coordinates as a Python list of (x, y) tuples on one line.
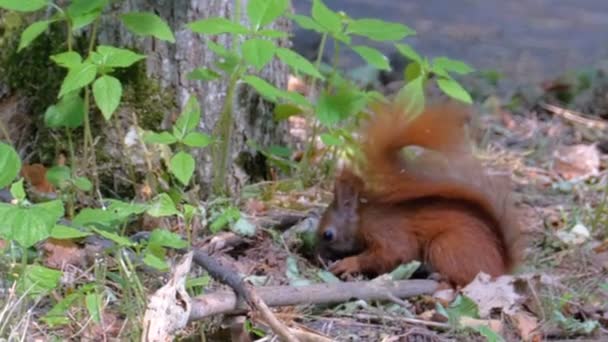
[(223, 302), (231, 278), (575, 117)]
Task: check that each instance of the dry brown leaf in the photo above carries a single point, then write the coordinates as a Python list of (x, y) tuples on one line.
[(255, 207), (35, 175), (492, 294), (110, 328), (59, 253), (526, 325), (577, 161)]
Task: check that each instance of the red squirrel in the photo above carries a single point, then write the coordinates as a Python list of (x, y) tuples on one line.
[(391, 210)]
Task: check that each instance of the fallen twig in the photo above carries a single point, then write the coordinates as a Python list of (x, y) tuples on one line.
[(232, 279), (222, 302), (575, 117)]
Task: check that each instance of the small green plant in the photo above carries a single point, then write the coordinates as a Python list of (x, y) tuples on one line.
[(340, 100), (91, 71), (183, 134)]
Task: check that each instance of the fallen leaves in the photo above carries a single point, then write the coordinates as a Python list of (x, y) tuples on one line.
[(576, 161)]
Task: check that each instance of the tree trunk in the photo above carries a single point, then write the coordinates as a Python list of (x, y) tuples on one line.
[(170, 64)]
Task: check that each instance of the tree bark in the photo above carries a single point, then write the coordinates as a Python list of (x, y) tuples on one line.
[(170, 64)]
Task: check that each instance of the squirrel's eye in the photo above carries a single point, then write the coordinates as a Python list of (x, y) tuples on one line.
[(328, 235)]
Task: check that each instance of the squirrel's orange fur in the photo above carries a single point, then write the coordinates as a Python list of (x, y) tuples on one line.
[(450, 215)]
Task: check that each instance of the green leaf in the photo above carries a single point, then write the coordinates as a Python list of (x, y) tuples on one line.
[(32, 32), (113, 57), (164, 138), (68, 59), (326, 17), (272, 34), (244, 227), (284, 110), (412, 71), (61, 232), (58, 175), (405, 271), (78, 77), (217, 25), (148, 24), (17, 190), (10, 164), (489, 334), (155, 262), (23, 5), (203, 74), (189, 118), (331, 108), (306, 23), (297, 99), (165, 238), (84, 12), (258, 52), (462, 306), (107, 92), (373, 57), (93, 304), (297, 62), (202, 281), (411, 96), (331, 140), (267, 90), (81, 21), (408, 52), (56, 316), (162, 206), (97, 217), (182, 167), (379, 30), (120, 240), (82, 7), (29, 225), (38, 280), (328, 277), (263, 12), (454, 66), (227, 216), (68, 112), (229, 61), (280, 151), (83, 184), (124, 209), (454, 90), (196, 139)]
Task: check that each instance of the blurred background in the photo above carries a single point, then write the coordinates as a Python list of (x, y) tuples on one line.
[(527, 40)]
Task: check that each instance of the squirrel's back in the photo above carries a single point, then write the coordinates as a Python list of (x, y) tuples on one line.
[(391, 178)]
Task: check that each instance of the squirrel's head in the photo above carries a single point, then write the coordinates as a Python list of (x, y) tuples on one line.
[(337, 234)]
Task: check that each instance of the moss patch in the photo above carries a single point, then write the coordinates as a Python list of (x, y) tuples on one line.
[(145, 96)]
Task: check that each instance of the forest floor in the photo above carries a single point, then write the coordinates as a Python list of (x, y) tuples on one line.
[(552, 143), (549, 133)]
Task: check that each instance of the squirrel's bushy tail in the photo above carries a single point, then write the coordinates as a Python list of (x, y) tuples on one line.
[(391, 178)]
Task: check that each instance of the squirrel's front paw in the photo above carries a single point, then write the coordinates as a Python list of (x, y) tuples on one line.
[(346, 266)]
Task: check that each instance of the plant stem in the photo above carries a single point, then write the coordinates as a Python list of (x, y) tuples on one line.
[(306, 158), (87, 120), (224, 126), (69, 34), (224, 131), (5, 133)]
